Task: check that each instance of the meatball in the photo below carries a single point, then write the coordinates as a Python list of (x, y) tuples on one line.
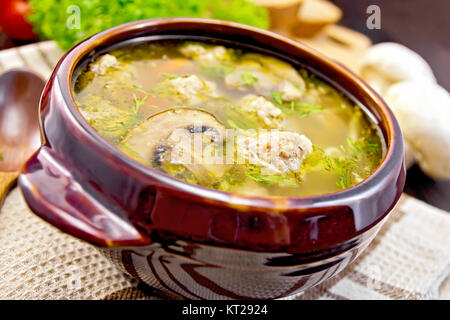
[(204, 54), (103, 64), (192, 88), (264, 109), (277, 152), (288, 91)]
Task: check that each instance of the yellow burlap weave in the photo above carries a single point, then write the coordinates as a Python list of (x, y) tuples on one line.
[(409, 259)]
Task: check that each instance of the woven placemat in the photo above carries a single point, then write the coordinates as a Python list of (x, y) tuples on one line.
[(409, 259)]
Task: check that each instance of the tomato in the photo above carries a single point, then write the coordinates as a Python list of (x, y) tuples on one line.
[(12, 19)]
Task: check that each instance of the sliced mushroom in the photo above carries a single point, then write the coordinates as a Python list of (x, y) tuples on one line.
[(251, 76), (280, 68), (267, 75), (183, 142)]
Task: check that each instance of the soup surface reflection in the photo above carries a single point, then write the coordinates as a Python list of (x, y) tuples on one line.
[(228, 119)]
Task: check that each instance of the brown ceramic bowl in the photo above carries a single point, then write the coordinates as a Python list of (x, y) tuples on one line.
[(189, 240)]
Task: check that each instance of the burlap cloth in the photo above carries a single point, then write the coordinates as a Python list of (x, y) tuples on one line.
[(409, 259)]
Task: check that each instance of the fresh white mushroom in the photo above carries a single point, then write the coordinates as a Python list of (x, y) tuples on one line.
[(423, 111), (385, 64), (406, 82)]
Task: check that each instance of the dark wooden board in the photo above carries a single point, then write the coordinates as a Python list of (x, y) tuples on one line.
[(423, 26)]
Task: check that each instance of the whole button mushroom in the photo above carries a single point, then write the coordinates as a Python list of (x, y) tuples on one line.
[(405, 80), (385, 64), (423, 111)]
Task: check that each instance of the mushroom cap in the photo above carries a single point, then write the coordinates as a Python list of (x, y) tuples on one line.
[(410, 155), (423, 111), (387, 63), (145, 138)]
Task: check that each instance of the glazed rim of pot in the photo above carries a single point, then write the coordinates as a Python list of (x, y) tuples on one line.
[(192, 28)]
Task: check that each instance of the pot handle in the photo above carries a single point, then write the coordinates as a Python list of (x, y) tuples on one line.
[(53, 193)]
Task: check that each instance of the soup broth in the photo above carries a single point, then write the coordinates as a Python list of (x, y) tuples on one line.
[(228, 119)]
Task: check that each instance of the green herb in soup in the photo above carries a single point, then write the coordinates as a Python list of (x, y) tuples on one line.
[(228, 119)]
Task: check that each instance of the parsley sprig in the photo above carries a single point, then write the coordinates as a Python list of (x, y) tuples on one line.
[(50, 17)]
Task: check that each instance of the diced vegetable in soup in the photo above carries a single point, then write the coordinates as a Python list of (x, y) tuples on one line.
[(227, 119)]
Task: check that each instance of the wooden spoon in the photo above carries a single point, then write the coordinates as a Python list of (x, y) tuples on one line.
[(20, 90)]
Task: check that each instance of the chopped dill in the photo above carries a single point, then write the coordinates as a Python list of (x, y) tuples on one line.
[(277, 97), (130, 149), (138, 103), (362, 145), (169, 76), (342, 166), (238, 119), (298, 87), (248, 79), (140, 90), (269, 180), (219, 71), (303, 109)]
